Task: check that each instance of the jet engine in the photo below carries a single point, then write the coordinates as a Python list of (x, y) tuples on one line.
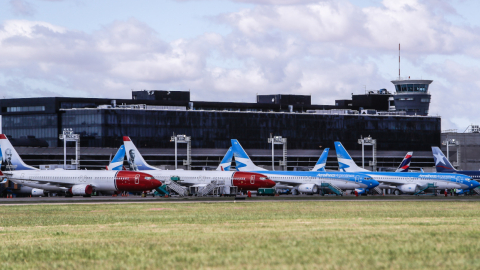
[(79, 190), (308, 188), (408, 188), (38, 192)]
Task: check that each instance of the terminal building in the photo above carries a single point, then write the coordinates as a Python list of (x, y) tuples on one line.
[(150, 118)]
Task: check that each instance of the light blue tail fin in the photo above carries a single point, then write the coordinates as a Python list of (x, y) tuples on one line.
[(226, 161), (242, 160), (441, 162), (345, 161), (117, 162), (322, 161)]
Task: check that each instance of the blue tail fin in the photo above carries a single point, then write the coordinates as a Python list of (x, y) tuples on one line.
[(117, 162), (345, 161), (441, 162), (322, 161), (226, 161)]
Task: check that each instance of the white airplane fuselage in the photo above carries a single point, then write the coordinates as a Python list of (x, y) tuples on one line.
[(64, 180)]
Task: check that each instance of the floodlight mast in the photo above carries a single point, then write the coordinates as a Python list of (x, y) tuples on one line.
[(452, 142), (68, 136), (279, 140), (373, 142), (183, 139)]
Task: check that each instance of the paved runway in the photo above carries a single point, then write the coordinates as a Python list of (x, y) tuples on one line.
[(138, 199)]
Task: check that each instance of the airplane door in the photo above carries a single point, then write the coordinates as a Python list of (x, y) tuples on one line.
[(137, 179), (252, 179)]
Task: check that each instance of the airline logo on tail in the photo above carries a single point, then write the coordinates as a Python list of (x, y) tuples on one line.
[(10, 157), (405, 165), (441, 162), (242, 161), (226, 162), (134, 158), (322, 161), (345, 161), (117, 162)]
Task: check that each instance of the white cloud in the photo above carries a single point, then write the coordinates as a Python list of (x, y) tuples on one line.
[(329, 49)]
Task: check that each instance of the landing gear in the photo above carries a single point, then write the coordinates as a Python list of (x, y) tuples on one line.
[(397, 192)]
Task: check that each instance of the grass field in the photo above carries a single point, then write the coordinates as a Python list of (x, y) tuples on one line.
[(280, 235)]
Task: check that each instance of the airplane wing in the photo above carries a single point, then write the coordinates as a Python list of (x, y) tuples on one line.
[(43, 182)]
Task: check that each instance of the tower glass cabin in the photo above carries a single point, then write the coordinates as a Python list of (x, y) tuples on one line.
[(412, 96)]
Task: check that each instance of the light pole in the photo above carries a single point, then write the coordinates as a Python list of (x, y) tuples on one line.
[(453, 142), (279, 140), (369, 141), (183, 139), (68, 136)]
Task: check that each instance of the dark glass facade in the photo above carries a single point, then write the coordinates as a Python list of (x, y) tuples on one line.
[(214, 129), (44, 126)]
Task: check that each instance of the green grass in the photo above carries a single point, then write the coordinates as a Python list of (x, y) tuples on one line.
[(280, 235)]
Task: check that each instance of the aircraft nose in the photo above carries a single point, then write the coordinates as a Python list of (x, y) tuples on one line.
[(269, 183), (475, 184), (373, 183), (154, 183)]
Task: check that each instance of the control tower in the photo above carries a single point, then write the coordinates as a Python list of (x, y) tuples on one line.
[(412, 96)]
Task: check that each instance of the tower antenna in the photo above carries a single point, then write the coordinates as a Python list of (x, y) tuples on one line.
[(398, 61)]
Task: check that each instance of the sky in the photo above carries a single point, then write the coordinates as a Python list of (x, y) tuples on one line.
[(233, 50)]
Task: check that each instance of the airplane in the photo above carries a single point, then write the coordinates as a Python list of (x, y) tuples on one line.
[(243, 180), (303, 181), (442, 165), (320, 166), (406, 182), (226, 162), (70, 182)]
